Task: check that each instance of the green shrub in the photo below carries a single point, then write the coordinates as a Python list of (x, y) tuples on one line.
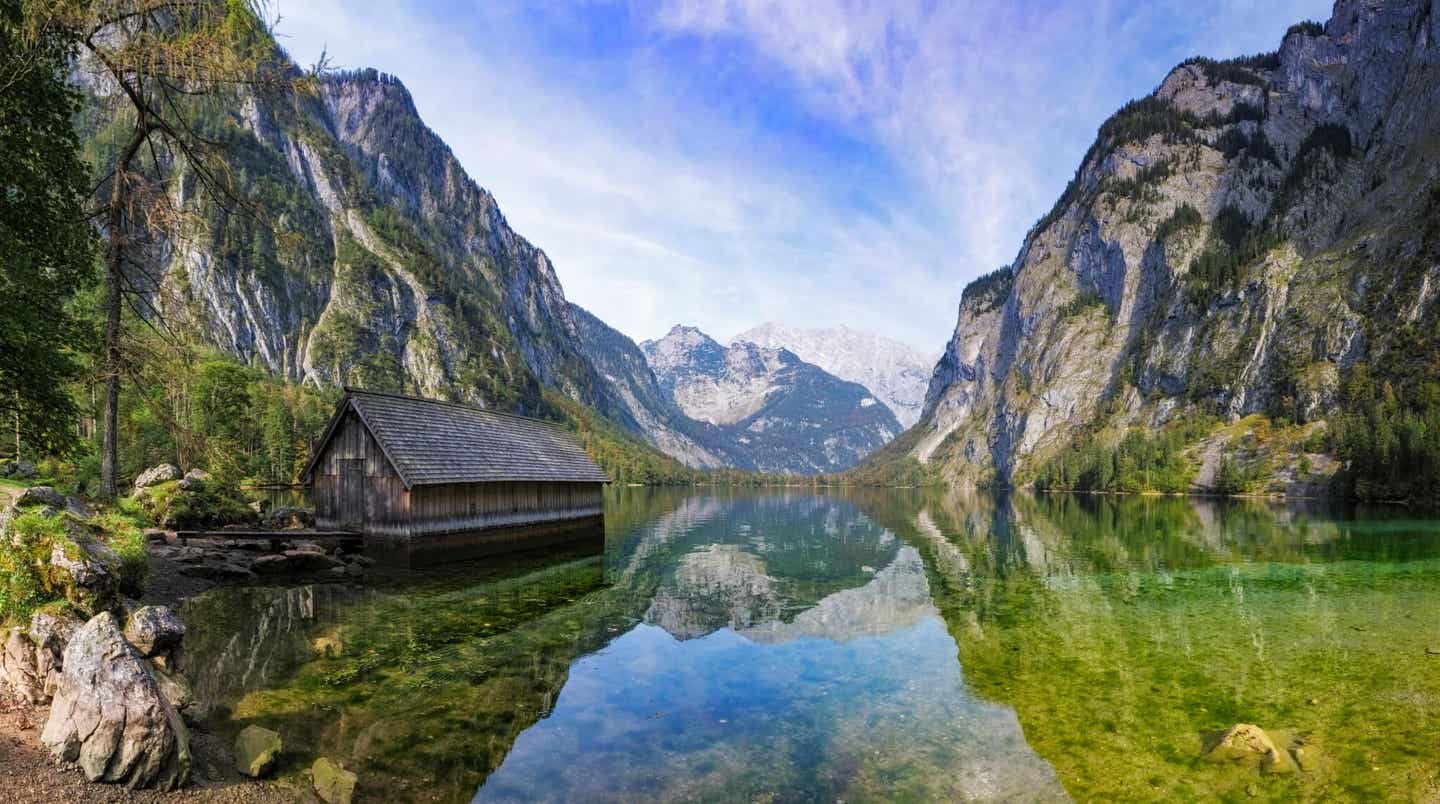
[(28, 579), (207, 504)]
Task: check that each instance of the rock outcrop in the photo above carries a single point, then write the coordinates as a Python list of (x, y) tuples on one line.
[(1231, 244), (110, 717)]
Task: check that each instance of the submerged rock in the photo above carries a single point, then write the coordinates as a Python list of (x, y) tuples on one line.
[(333, 783), (110, 716), (256, 750), (1248, 744)]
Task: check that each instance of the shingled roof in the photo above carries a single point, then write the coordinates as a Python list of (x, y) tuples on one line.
[(430, 442)]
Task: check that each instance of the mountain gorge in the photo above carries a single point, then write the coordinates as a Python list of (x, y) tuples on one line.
[(1257, 237), (377, 262), (778, 412)]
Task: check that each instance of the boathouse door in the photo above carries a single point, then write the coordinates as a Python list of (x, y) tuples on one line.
[(352, 501)]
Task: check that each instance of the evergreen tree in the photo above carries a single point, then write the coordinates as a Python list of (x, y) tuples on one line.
[(46, 243)]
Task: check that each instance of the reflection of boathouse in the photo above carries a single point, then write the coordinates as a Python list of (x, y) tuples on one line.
[(401, 467)]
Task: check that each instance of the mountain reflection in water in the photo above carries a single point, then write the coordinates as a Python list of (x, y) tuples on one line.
[(863, 646)]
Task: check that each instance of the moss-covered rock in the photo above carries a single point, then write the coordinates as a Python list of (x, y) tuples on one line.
[(256, 750), (195, 502), (48, 555), (333, 783)]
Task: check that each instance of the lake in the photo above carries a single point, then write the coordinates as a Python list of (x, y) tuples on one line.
[(863, 646)]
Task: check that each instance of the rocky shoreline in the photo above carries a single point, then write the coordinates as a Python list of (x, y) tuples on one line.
[(94, 699)]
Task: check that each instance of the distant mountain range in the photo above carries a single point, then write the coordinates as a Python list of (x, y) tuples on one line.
[(770, 410), (894, 372)]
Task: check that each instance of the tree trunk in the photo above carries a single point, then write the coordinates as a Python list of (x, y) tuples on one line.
[(114, 299)]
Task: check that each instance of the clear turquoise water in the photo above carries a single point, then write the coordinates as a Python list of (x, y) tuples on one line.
[(789, 646)]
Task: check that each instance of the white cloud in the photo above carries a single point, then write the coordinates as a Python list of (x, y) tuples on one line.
[(656, 209)]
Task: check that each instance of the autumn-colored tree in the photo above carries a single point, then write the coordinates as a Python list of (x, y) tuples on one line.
[(159, 64)]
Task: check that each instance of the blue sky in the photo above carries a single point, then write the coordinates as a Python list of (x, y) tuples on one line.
[(818, 162)]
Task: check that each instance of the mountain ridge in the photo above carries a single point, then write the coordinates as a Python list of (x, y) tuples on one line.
[(1234, 244)]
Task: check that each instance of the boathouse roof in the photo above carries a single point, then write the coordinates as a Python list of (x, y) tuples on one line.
[(431, 442)]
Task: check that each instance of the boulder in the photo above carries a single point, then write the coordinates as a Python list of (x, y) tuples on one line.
[(218, 572), (18, 670), (86, 569), (1248, 744), (194, 479), (20, 470), (154, 476), (333, 784), (307, 561), (51, 634), (256, 750), (40, 495), (288, 517), (154, 630), (174, 687), (110, 716), (271, 565), (308, 547)]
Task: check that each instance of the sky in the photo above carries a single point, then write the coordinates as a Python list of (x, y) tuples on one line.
[(720, 163)]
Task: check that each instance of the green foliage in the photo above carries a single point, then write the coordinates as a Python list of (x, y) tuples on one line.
[(1235, 71), (1235, 142), (1080, 304), (46, 243), (988, 291), (205, 505), (622, 456), (29, 579), (196, 408), (1306, 28), (1143, 186), (126, 538), (1140, 461), (1234, 476), (1389, 435), (1136, 121), (1184, 217), (1234, 242)]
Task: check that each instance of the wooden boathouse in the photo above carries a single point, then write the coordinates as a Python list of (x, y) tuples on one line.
[(400, 467)]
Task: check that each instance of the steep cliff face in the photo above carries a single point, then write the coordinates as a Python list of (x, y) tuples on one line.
[(767, 409), (895, 373), (1231, 244), (376, 261)]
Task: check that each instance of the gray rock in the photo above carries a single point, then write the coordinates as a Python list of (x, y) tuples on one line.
[(93, 570), (256, 750), (40, 495), (308, 561), (154, 630), (18, 670), (110, 717), (195, 478), (333, 783), (288, 517), (20, 470), (51, 634), (218, 572), (271, 565), (154, 476)]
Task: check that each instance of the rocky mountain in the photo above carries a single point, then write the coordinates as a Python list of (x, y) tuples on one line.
[(769, 410), (894, 372), (1242, 241), (378, 262)]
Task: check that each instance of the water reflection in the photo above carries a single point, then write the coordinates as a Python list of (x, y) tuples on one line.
[(866, 646)]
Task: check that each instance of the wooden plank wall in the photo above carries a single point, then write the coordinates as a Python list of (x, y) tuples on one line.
[(380, 504)]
